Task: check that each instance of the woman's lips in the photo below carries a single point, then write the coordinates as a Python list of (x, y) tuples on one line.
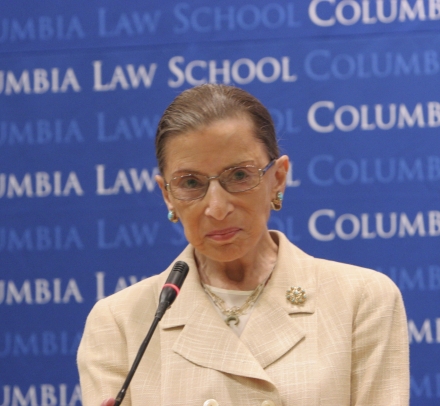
[(224, 234)]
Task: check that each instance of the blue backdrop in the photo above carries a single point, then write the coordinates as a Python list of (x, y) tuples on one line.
[(353, 87)]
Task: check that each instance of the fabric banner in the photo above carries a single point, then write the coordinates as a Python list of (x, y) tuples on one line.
[(352, 86)]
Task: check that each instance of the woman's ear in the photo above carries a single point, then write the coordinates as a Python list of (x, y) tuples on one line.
[(165, 194), (281, 169)]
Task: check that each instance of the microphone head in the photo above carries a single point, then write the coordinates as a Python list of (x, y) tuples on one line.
[(181, 266), (174, 282), (178, 274)]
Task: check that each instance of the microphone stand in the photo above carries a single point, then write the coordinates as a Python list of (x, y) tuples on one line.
[(169, 293), (136, 362)]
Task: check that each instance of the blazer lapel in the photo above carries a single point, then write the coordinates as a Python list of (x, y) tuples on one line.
[(270, 332), (269, 335), (205, 339)]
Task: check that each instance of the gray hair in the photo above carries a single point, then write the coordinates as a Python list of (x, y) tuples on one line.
[(202, 105)]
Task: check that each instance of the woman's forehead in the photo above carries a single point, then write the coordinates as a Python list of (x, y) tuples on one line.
[(222, 144)]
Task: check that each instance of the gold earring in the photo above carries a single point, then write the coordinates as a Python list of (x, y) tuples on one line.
[(172, 216), (277, 203)]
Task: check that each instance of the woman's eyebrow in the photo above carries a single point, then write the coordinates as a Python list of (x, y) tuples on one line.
[(188, 171)]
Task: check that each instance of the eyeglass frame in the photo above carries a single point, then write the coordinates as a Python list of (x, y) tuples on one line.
[(261, 172)]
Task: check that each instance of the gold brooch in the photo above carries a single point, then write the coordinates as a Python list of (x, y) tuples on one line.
[(296, 295)]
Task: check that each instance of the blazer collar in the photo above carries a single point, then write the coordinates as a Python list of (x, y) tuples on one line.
[(271, 330), (269, 333)]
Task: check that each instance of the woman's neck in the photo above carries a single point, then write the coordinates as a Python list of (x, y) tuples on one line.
[(244, 273)]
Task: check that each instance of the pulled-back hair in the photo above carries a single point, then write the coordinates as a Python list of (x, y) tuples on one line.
[(202, 105)]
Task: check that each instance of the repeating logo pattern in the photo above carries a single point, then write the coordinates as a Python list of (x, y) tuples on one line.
[(352, 87)]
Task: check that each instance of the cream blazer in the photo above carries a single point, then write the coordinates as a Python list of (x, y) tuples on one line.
[(347, 345)]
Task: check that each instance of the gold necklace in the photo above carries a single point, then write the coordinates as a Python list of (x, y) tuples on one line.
[(234, 313)]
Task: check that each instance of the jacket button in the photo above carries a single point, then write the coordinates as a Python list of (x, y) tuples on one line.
[(210, 402), (268, 403)]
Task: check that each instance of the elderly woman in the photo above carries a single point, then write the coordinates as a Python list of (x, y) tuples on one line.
[(258, 321)]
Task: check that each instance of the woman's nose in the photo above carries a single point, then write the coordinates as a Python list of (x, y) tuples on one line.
[(218, 201)]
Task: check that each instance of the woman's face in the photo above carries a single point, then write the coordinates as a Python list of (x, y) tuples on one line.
[(223, 226)]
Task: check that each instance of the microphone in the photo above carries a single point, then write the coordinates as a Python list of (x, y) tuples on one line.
[(169, 292), (171, 288)]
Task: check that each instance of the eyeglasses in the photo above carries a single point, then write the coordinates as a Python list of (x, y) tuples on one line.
[(233, 180)]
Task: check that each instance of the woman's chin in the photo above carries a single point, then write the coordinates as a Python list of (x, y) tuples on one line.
[(222, 251)]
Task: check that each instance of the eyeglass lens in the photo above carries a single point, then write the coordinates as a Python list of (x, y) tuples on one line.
[(193, 186)]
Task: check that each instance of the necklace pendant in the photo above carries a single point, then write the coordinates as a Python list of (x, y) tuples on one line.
[(232, 318)]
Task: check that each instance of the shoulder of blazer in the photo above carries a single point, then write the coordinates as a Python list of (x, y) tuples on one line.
[(139, 301), (333, 279)]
